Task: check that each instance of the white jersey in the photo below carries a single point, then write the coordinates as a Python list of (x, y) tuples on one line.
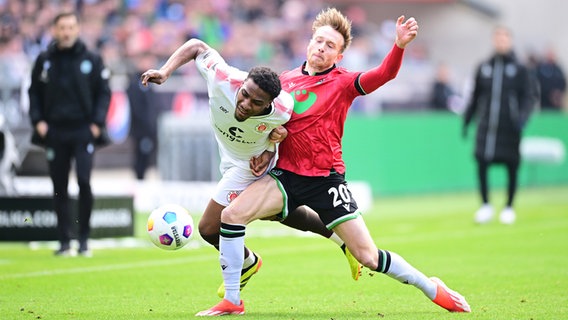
[(237, 141)]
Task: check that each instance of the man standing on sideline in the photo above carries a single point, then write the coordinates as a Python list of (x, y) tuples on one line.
[(503, 98), (552, 82), (69, 100), (310, 170)]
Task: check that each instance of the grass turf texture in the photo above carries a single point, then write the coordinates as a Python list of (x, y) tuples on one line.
[(505, 272)]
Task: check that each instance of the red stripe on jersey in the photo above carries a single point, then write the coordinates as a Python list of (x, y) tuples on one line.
[(222, 74)]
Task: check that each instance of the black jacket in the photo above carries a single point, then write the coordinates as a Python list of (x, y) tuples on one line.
[(503, 98), (69, 87), (145, 108)]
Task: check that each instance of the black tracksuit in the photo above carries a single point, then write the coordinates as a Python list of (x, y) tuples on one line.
[(70, 91), (503, 98)]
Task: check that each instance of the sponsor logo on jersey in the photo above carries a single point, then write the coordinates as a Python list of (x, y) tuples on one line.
[(303, 100), (233, 135), (234, 131)]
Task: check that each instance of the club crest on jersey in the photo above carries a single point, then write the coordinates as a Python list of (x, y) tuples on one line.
[(232, 195), (261, 127), (86, 67)]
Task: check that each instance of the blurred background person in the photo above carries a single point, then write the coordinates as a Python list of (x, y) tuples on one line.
[(443, 96), (69, 99), (145, 107), (552, 81), (502, 99)]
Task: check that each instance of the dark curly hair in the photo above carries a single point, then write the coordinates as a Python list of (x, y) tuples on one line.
[(266, 79)]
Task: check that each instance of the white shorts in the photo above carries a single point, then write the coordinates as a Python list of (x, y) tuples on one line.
[(233, 182)]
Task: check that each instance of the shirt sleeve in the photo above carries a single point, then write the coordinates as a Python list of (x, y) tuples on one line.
[(208, 60), (215, 70), (371, 80)]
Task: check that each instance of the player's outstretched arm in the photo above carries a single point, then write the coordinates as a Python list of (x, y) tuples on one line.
[(388, 69), (405, 31), (184, 54)]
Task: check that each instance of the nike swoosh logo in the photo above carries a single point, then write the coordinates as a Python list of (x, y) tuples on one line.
[(303, 100)]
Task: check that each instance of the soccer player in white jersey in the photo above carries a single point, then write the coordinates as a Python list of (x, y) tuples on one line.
[(247, 112)]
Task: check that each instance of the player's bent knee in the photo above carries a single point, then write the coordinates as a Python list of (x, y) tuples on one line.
[(229, 215)]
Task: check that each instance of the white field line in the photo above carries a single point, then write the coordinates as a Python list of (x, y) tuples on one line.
[(111, 267), (143, 264)]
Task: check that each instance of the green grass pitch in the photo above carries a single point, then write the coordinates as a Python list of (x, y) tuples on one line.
[(505, 272)]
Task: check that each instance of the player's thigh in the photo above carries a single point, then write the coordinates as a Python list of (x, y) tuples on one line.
[(357, 238), (210, 221), (261, 199)]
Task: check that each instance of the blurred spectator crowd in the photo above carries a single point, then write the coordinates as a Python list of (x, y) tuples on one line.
[(134, 35)]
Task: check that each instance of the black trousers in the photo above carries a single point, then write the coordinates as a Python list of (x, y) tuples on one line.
[(63, 146), (512, 172), (144, 153)]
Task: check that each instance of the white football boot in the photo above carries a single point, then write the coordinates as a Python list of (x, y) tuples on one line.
[(484, 214), (507, 216)]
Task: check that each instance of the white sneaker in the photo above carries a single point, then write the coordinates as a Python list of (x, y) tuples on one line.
[(484, 214), (507, 216)]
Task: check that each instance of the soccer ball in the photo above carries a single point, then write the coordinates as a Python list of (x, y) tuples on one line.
[(170, 226)]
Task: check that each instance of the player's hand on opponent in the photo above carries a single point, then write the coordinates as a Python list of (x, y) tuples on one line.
[(278, 134), (258, 165), (405, 31), (155, 76)]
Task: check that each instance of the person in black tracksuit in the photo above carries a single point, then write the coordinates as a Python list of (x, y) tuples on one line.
[(69, 99), (503, 98), (145, 109)]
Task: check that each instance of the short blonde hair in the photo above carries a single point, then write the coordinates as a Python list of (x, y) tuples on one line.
[(335, 19)]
